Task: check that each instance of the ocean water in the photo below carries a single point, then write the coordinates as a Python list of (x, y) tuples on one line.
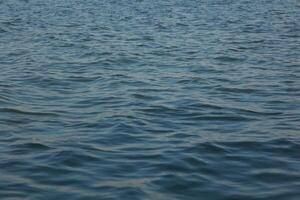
[(150, 100)]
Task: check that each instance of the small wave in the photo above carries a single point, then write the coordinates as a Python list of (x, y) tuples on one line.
[(30, 146), (237, 90), (22, 112), (228, 59)]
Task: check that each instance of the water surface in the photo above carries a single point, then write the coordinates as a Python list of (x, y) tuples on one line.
[(154, 100)]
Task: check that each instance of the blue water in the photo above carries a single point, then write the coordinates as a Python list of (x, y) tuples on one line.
[(154, 100)]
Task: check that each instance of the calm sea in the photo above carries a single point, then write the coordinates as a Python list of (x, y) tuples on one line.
[(150, 99)]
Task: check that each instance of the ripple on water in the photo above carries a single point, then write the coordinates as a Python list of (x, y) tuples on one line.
[(149, 99)]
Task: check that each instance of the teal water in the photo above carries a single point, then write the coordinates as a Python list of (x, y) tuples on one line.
[(154, 100)]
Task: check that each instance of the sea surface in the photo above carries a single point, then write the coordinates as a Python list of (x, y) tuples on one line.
[(149, 99)]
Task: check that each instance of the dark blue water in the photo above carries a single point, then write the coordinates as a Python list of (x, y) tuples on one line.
[(154, 100)]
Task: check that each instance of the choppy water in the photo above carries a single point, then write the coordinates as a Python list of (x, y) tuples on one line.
[(160, 100)]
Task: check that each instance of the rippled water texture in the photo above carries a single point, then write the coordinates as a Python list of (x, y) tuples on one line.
[(154, 100)]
